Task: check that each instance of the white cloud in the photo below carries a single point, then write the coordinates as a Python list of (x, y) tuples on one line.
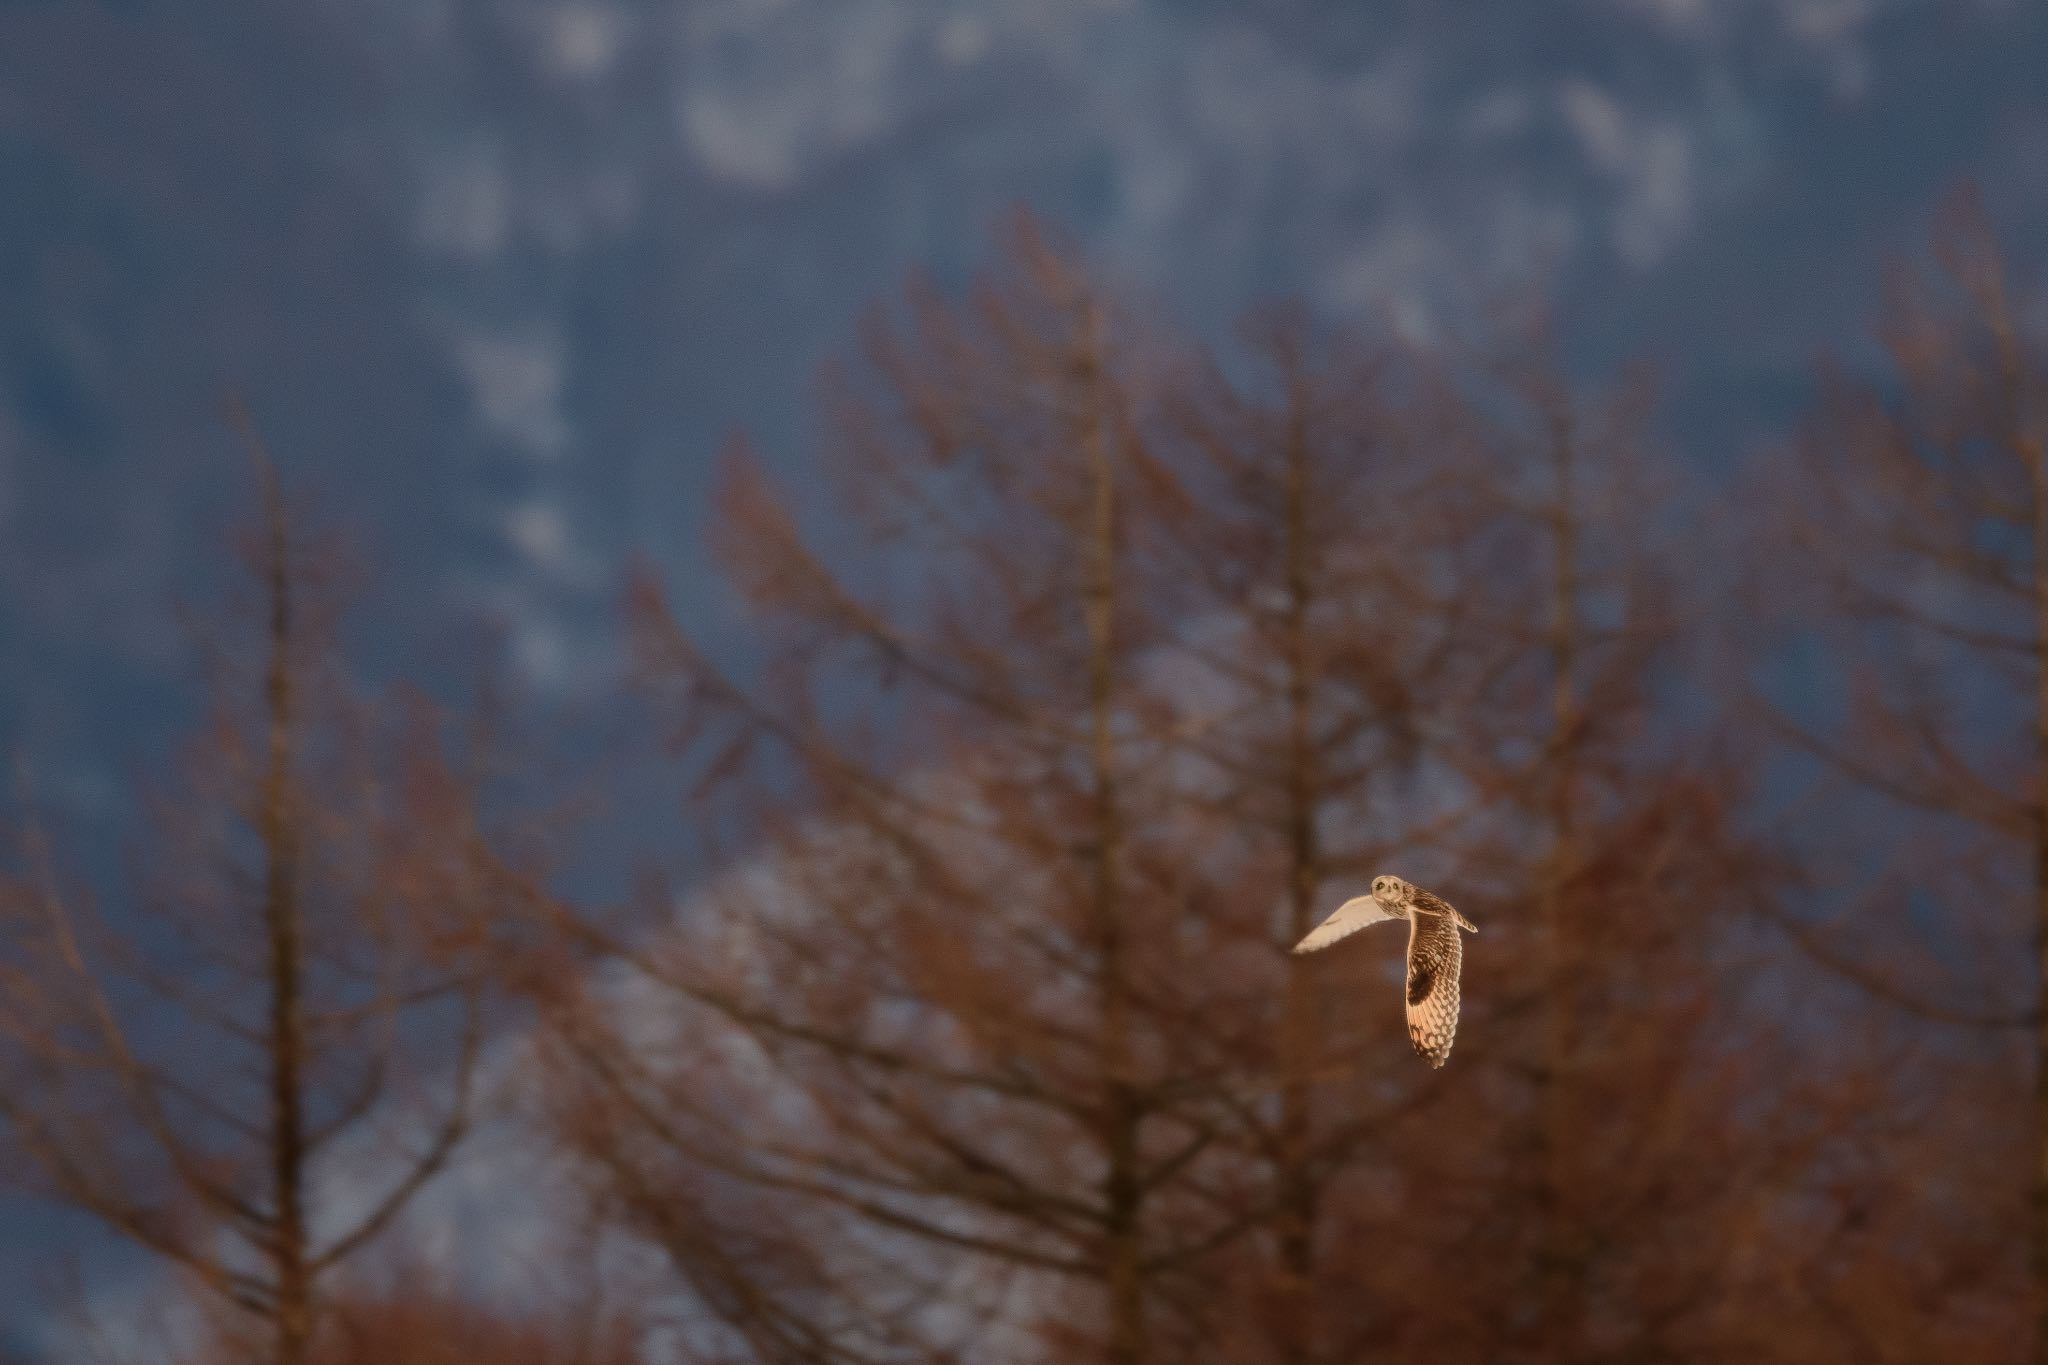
[(515, 379), (756, 146), (465, 202), (582, 41), (1392, 273), (541, 533), (554, 641), (540, 652), (1648, 160), (1531, 236), (570, 208), (768, 90), (1828, 22), (1186, 130), (963, 40), (540, 530), (1657, 211), (1691, 17), (1497, 114), (1600, 124)]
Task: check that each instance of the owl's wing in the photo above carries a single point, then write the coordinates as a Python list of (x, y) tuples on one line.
[(1434, 904), (1346, 920), (1435, 952)]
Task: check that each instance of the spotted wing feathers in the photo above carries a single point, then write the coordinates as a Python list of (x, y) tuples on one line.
[(1435, 953), (1432, 904)]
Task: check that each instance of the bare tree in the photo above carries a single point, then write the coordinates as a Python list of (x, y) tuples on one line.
[(1919, 513), (1611, 1010), (1325, 557), (1119, 673), (954, 1031), (288, 989), (1452, 576)]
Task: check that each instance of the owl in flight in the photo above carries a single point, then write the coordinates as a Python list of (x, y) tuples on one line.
[(1435, 952)]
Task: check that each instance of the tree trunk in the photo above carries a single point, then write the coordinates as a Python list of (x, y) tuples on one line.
[(281, 912), (1122, 1113), (1559, 1265), (2037, 463), (2027, 445), (1298, 1192)]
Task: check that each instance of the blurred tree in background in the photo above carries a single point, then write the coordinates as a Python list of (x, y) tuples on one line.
[(955, 1026), (296, 983), (1131, 661), (1081, 674), (1916, 508)]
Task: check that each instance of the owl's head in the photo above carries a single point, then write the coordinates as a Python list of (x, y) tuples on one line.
[(1391, 891)]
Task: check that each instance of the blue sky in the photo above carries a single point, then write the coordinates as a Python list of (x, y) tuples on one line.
[(498, 276)]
